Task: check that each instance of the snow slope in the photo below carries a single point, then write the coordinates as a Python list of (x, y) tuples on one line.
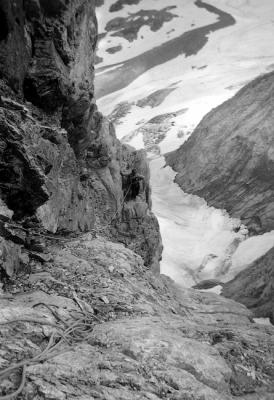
[(157, 108)]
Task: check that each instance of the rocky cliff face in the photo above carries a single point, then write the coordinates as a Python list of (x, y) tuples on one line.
[(82, 316), (228, 160), (254, 287), (61, 163)]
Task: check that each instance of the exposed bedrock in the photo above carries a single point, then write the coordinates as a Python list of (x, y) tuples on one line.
[(147, 338), (61, 164), (47, 57), (254, 287), (89, 318), (229, 158)]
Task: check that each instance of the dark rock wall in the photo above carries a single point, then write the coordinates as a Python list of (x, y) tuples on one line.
[(61, 163), (228, 160), (47, 57)]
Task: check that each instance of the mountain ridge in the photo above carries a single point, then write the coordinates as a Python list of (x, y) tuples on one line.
[(84, 312), (231, 168), (228, 160)]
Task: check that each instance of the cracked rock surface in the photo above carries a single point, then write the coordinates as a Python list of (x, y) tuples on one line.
[(150, 339)]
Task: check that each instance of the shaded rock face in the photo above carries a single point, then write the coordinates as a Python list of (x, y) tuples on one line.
[(61, 163), (12, 258), (48, 49), (146, 339), (47, 57), (228, 160), (254, 287)]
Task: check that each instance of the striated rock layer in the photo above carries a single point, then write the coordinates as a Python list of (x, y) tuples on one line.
[(254, 286), (228, 160), (61, 163)]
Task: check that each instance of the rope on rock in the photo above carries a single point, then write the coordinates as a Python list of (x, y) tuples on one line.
[(77, 331), (123, 203)]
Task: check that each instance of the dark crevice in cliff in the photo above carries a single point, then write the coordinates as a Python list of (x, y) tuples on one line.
[(30, 92), (132, 184), (21, 184)]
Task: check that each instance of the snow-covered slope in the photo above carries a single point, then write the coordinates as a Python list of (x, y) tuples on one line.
[(231, 56), (162, 65)]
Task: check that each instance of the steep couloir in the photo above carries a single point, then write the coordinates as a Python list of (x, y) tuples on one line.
[(229, 158)]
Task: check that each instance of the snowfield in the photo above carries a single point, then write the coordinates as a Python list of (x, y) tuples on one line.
[(200, 242)]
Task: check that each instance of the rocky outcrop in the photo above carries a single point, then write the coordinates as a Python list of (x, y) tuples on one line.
[(84, 315), (152, 131), (122, 332), (228, 160), (254, 286), (61, 164)]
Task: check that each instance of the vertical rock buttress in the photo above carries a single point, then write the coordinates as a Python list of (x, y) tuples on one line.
[(62, 168)]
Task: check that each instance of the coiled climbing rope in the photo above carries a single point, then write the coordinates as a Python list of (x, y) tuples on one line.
[(71, 332)]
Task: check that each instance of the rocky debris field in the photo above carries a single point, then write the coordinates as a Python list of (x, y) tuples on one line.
[(92, 322)]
